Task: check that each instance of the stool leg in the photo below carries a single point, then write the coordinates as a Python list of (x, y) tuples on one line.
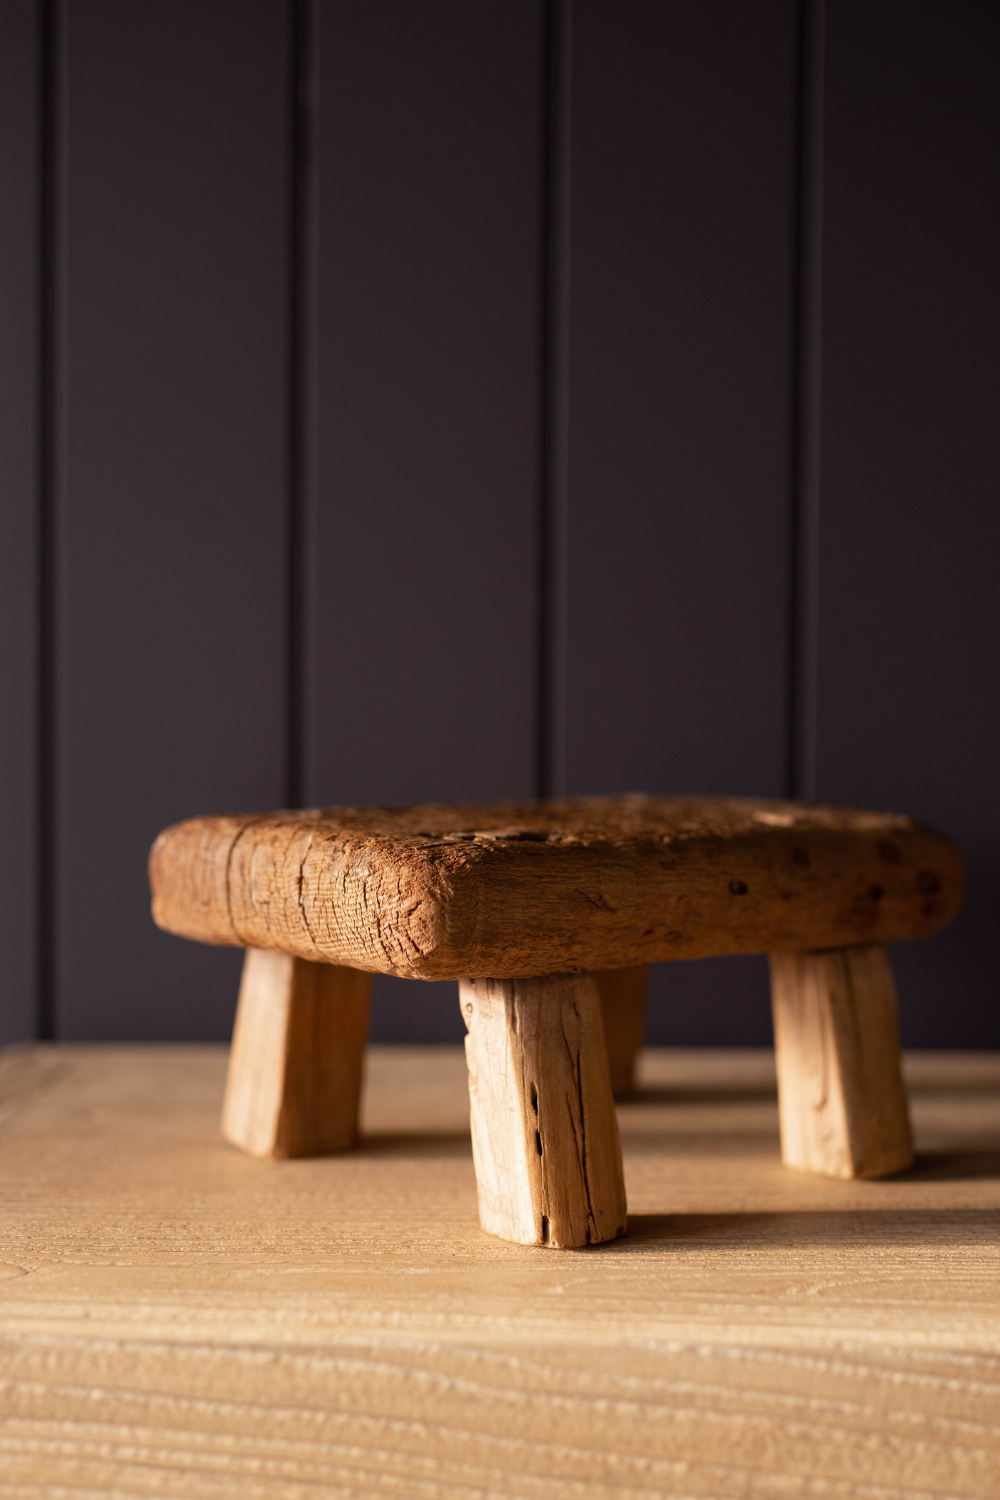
[(841, 1095), (297, 1057), (544, 1133), (623, 1012)]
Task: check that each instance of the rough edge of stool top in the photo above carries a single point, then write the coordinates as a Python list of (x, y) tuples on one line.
[(520, 889)]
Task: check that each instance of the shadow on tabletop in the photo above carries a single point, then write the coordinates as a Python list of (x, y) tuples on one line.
[(800, 1229), (967, 1165), (702, 1094), (766, 1091), (954, 1166), (403, 1144)]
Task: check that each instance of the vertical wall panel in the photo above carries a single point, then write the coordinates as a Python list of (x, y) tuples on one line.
[(172, 477), (20, 285), (171, 465), (910, 519), (430, 273), (682, 268), (428, 460)]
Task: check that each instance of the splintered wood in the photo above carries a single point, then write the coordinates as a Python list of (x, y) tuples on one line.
[(297, 1058), (842, 1099), (544, 1132)]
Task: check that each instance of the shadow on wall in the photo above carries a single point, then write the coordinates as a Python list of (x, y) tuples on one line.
[(711, 1002), (725, 1002)]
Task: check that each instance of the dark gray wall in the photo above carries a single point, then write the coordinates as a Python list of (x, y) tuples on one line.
[(21, 274), (444, 399), (424, 517), (909, 609), (681, 268), (171, 467)]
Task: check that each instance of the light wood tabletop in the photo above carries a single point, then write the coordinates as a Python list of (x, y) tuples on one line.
[(178, 1319)]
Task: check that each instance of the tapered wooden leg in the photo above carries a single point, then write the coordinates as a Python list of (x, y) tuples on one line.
[(623, 1012), (841, 1096), (298, 1050), (544, 1133)]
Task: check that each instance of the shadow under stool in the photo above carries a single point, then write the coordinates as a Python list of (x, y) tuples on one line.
[(547, 914)]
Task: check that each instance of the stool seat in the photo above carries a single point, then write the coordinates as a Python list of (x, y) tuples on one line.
[(547, 913), (519, 889)]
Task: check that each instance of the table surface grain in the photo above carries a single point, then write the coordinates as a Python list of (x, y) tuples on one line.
[(179, 1320)]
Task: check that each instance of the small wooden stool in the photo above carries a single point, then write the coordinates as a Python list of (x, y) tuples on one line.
[(547, 914)]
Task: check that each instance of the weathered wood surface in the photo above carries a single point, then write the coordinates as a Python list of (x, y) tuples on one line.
[(623, 1014), (544, 1132), (836, 1029), (517, 890), (181, 1320), (297, 1059)]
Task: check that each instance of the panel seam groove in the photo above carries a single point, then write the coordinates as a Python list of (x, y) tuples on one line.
[(51, 470), (302, 314), (805, 520), (554, 507)]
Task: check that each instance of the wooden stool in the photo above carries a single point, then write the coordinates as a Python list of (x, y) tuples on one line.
[(547, 914)]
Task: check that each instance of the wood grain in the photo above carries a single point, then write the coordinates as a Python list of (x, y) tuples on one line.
[(544, 1132), (514, 890), (178, 1319), (843, 1104), (623, 1015), (295, 1069)]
